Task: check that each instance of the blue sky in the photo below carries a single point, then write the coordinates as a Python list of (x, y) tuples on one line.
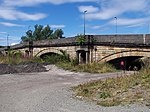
[(17, 16)]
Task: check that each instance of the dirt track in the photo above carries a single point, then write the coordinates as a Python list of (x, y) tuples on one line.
[(50, 92)]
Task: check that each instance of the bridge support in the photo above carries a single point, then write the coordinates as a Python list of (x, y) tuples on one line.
[(83, 56)]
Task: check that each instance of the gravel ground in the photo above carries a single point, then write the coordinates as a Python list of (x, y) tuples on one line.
[(50, 92), (22, 68)]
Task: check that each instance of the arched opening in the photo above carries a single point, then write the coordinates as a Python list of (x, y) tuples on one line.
[(129, 63), (82, 56), (49, 54), (26, 53)]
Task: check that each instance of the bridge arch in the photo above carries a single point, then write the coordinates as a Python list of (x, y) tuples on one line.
[(48, 50), (134, 53), (130, 58)]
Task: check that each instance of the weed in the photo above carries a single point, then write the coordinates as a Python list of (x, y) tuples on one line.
[(104, 95), (120, 90)]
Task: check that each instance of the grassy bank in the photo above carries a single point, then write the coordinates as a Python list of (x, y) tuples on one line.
[(118, 91), (90, 68), (62, 61)]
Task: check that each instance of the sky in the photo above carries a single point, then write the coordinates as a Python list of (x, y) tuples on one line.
[(102, 17)]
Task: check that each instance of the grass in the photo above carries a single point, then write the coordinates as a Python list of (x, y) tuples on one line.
[(118, 91), (63, 61), (90, 67), (19, 59)]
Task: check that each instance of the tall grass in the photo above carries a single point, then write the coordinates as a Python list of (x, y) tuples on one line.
[(115, 91), (90, 67)]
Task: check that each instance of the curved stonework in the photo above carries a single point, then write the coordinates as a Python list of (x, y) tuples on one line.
[(140, 53), (47, 50), (71, 50)]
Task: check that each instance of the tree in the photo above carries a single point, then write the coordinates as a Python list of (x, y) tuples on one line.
[(46, 32), (37, 35), (24, 39), (58, 34), (40, 33)]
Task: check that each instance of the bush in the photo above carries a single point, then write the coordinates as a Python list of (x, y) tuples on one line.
[(90, 67)]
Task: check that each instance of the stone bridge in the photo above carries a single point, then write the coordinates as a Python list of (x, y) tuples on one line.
[(105, 48)]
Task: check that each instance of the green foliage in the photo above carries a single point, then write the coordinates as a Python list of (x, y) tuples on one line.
[(109, 103), (42, 33), (74, 62), (90, 67), (53, 59), (58, 34), (104, 95), (81, 39), (37, 60), (121, 90), (13, 57), (57, 58), (24, 39), (65, 56)]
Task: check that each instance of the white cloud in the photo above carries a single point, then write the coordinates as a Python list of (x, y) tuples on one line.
[(57, 26), (131, 22), (3, 33), (90, 9), (12, 44), (10, 24), (36, 2), (96, 27), (9, 11), (12, 14), (118, 8)]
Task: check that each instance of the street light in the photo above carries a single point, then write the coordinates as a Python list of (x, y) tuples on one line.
[(116, 25), (84, 20), (8, 48), (148, 28)]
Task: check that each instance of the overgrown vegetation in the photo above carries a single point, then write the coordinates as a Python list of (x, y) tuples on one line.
[(63, 61), (118, 91), (81, 39), (90, 67), (13, 57), (57, 58)]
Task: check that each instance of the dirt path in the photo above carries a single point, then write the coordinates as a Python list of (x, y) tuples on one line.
[(50, 92)]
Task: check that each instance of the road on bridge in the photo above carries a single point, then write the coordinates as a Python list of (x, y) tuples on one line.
[(50, 92)]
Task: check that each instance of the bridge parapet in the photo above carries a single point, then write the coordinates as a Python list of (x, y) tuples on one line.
[(55, 42), (112, 40), (124, 39)]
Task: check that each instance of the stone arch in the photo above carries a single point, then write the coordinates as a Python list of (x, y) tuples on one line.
[(26, 53), (139, 53), (48, 50)]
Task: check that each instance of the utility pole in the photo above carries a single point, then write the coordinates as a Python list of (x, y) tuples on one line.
[(84, 20), (148, 28), (116, 25), (8, 51)]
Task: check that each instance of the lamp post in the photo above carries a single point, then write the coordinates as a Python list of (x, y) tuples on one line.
[(116, 25), (30, 42), (8, 52), (84, 20), (7, 40), (148, 28)]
